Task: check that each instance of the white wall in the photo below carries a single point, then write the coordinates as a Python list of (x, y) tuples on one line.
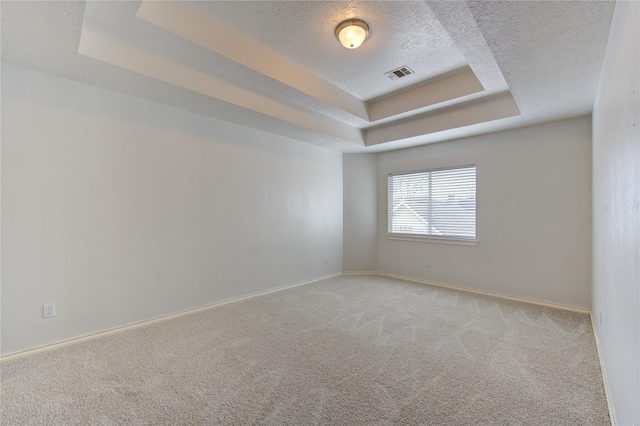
[(119, 210), (616, 214), (533, 214), (360, 213)]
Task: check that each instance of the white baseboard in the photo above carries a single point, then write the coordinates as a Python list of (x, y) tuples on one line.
[(142, 323), (90, 336), (360, 273), (603, 372), (488, 293)]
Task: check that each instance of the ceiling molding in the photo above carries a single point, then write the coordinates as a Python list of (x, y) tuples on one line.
[(459, 83), (95, 43), (485, 109), (479, 66), (182, 20)]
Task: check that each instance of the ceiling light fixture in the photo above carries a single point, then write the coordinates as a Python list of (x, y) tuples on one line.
[(352, 33)]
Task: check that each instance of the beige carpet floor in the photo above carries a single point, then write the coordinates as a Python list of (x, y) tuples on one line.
[(352, 350)]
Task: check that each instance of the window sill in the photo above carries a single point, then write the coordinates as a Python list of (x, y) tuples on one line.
[(432, 240)]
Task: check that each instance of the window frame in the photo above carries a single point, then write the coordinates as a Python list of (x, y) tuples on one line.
[(429, 237)]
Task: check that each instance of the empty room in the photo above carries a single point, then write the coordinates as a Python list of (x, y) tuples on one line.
[(320, 212)]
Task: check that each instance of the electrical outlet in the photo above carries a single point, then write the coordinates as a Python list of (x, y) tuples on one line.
[(326, 260), (426, 263), (49, 310)]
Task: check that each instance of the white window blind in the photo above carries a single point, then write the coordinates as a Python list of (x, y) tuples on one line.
[(434, 203)]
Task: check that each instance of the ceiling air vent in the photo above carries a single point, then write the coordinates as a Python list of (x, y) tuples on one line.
[(403, 71)]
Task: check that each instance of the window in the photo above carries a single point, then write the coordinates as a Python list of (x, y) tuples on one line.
[(434, 203)]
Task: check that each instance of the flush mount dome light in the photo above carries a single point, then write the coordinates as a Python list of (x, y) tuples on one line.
[(352, 33)]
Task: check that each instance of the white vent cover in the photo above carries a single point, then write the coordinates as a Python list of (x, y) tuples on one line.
[(400, 72)]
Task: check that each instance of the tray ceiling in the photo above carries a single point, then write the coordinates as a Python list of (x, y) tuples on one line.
[(276, 65)]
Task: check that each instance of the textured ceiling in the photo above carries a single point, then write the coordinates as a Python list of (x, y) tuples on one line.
[(276, 65), (304, 33), (565, 45)]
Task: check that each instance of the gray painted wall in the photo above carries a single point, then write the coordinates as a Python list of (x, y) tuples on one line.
[(616, 214), (119, 210), (360, 213), (533, 215)]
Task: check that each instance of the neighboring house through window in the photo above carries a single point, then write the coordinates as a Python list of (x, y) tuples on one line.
[(438, 203)]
